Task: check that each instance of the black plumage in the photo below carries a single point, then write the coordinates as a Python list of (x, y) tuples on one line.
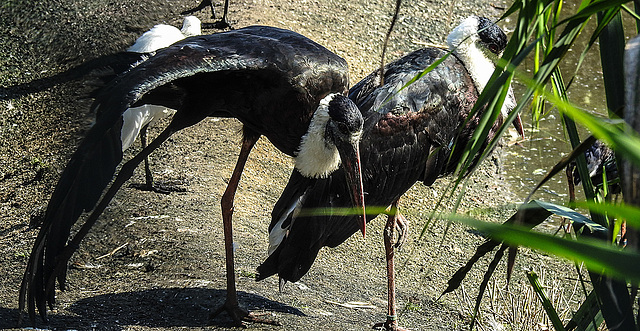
[(601, 163), (600, 158), (415, 135), (273, 80), (406, 140)]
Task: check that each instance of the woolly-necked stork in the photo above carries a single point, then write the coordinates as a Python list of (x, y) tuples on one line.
[(406, 139), (276, 82)]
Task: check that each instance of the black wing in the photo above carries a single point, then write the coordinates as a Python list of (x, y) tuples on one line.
[(242, 52), (407, 138)]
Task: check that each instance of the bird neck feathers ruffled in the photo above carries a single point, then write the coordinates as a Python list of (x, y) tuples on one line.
[(464, 40), (318, 158)]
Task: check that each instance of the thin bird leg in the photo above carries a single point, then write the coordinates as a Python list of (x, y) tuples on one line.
[(148, 176), (221, 24), (572, 190), (149, 185), (231, 306), (394, 221), (204, 4), (225, 12)]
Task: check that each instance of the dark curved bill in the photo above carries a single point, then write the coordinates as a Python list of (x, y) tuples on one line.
[(518, 125), (350, 156)]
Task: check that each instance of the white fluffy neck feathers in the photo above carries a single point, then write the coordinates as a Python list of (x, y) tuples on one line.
[(316, 157), (465, 40)]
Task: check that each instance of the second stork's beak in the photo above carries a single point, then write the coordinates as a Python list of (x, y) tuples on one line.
[(517, 123), (350, 156)]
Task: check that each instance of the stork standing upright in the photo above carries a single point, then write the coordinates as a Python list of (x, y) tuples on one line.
[(415, 135), (276, 82)]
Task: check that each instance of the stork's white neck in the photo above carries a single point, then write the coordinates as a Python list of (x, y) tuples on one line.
[(317, 158), (465, 40)]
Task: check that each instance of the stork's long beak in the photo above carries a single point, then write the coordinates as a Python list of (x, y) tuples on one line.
[(350, 156), (519, 127)]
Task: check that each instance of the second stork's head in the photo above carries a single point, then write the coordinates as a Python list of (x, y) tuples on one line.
[(478, 42), (331, 141)]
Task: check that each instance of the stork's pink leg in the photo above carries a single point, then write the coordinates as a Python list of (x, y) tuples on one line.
[(231, 306), (395, 222)]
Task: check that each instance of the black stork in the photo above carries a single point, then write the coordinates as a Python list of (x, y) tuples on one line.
[(223, 23), (405, 140), (276, 82)]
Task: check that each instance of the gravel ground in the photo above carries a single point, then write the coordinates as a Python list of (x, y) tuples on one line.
[(169, 268)]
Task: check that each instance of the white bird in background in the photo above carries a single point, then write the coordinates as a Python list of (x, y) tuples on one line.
[(137, 119), (163, 35)]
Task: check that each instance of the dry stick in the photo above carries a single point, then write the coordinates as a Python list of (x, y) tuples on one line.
[(386, 40), (112, 252)]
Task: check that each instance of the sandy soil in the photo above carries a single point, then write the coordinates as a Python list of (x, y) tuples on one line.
[(157, 261)]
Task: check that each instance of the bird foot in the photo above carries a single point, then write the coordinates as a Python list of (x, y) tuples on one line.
[(159, 187), (402, 229), (389, 325), (241, 316), (219, 25)]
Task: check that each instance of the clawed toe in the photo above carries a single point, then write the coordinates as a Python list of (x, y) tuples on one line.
[(158, 187), (241, 316), (389, 325)]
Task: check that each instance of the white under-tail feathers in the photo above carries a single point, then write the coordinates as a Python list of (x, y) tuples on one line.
[(278, 233), (134, 119), (464, 40), (316, 158)]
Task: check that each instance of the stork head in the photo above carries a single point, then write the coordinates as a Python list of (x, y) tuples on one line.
[(191, 26), (477, 42), (331, 141), (479, 33)]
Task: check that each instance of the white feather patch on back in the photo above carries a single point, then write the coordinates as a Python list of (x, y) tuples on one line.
[(134, 119), (191, 26), (316, 157)]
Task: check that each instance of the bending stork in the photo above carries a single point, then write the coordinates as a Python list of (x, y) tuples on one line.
[(417, 135), (276, 82)]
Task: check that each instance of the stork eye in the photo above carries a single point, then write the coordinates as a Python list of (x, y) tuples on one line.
[(343, 128)]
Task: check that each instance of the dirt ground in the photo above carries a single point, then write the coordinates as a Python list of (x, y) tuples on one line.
[(156, 261)]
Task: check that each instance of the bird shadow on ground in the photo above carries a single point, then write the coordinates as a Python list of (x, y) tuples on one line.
[(164, 307)]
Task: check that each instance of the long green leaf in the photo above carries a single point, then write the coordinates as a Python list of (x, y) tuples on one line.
[(622, 211), (612, 55), (546, 303), (597, 256)]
